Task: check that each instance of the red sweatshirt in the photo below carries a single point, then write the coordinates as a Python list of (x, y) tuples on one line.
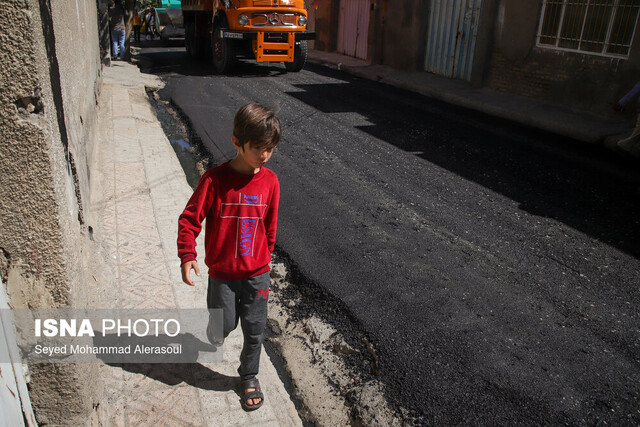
[(242, 214)]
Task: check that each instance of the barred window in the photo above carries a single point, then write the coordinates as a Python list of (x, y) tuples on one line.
[(601, 27)]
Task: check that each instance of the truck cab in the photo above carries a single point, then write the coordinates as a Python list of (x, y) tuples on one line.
[(265, 30)]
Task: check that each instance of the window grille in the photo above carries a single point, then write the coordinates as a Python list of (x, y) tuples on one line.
[(600, 27)]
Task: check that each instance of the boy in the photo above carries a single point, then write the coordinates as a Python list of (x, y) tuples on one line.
[(239, 199)]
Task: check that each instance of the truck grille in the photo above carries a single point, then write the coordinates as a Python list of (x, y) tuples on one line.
[(274, 19)]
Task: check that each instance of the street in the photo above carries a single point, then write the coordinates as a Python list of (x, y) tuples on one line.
[(494, 268)]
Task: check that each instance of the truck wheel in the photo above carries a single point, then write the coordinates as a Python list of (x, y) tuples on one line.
[(299, 57), (223, 50)]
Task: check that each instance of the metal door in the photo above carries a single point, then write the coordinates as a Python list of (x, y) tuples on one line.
[(353, 30), (451, 37)]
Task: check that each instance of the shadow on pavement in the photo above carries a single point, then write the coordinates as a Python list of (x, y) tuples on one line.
[(586, 187), (194, 374)]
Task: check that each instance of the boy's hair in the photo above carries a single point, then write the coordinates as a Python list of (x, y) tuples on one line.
[(257, 125)]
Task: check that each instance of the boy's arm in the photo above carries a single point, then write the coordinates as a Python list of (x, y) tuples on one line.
[(271, 218), (190, 221)]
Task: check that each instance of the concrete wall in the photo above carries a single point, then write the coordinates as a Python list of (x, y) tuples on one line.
[(403, 33), (49, 74), (580, 80), (484, 43)]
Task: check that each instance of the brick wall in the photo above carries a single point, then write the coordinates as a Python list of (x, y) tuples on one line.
[(578, 80)]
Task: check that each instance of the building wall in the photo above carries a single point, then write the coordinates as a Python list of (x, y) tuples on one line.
[(403, 33), (484, 42), (580, 80), (49, 78), (325, 25), (506, 56), (396, 35)]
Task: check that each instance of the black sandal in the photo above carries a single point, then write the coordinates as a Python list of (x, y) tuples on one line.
[(255, 394)]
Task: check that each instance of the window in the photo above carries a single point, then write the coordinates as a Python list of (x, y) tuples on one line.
[(601, 27)]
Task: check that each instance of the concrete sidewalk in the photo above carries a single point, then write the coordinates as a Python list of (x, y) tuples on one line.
[(580, 125), (139, 190)]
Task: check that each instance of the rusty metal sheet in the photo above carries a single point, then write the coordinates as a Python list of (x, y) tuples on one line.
[(451, 37)]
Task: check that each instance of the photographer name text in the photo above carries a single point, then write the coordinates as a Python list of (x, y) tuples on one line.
[(99, 350)]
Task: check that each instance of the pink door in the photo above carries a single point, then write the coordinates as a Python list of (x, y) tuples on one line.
[(354, 27)]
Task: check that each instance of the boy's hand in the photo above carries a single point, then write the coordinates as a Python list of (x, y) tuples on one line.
[(186, 269)]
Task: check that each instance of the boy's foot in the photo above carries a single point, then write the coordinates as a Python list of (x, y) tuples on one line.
[(252, 397)]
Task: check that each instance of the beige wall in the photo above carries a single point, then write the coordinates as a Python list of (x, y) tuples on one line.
[(49, 78)]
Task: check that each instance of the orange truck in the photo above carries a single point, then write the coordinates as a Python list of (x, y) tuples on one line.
[(266, 30)]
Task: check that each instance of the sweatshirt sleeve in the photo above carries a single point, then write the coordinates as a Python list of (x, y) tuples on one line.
[(190, 221), (271, 218)]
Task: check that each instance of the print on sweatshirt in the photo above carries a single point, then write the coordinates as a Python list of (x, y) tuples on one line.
[(247, 212)]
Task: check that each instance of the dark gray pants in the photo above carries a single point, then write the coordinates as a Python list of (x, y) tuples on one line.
[(245, 301)]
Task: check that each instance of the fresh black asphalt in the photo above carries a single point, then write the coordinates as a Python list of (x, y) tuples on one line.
[(494, 267)]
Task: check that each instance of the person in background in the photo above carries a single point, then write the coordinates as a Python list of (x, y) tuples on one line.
[(137, 23), (117, 19), (632, 143), (149, 20)]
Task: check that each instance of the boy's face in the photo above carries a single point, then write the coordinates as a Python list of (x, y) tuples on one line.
[(253, 157)]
